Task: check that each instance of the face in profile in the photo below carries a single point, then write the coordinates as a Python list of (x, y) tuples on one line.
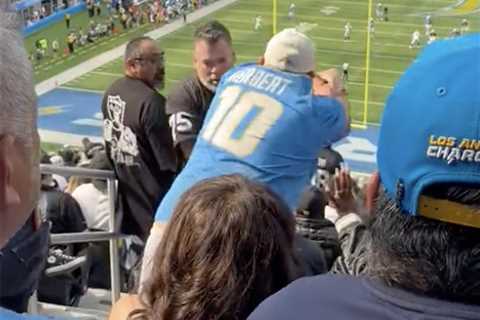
[(22, 189), (211, 60), (150, 66)]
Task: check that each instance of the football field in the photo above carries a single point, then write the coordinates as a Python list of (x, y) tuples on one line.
[(323, 20)]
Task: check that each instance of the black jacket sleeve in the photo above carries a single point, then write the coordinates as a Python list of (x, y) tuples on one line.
[(185, 117), (353, 241)]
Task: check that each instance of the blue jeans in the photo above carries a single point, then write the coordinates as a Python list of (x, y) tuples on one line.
[(22, 262)]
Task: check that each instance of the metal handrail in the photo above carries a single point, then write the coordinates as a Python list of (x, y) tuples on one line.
[(94, 236)]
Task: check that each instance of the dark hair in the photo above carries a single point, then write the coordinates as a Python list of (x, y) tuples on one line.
[(227, 247), (212, 31), (133, 49), (430, 257), (100, 161)]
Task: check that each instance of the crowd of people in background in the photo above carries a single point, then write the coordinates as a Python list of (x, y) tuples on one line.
[(238, 206), (116, 17)]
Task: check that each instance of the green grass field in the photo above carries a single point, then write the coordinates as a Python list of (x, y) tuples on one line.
[(389, 52), (54, 64)]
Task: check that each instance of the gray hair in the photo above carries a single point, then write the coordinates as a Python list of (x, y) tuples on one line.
[(18, 101)]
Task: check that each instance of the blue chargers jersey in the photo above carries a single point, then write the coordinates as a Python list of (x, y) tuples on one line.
[(263, 124)]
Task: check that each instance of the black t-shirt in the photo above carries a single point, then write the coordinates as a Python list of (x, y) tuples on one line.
[(345, 298), (187, 106), (139, 145)]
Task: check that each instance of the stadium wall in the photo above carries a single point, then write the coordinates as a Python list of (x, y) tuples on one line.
[(59, 15)]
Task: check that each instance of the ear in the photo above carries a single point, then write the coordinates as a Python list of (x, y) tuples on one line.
[(261, 60), (8, 195)]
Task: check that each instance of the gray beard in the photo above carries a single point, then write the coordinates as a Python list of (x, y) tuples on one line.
[(210, 86)]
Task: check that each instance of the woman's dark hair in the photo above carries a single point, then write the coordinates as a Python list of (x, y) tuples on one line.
[(430, 257), (228, 246)]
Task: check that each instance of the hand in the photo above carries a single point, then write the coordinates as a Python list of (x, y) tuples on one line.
[(341, 195), (328, 83)]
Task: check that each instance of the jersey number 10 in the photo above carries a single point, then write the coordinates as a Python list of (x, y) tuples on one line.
[(242, 120)]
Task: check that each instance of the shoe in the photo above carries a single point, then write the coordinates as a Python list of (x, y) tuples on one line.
[(60, 264)]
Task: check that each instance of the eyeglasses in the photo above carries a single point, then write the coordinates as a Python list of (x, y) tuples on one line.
[(155, 58)]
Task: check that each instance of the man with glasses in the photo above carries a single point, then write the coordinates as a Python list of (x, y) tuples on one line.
[(137, 135)]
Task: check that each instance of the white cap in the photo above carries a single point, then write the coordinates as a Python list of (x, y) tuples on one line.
[(290, 50)]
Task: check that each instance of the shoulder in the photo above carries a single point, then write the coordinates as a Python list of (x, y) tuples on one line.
[(153, 97), (311, 296), (185, 91), (123, 307), (82, 190), (9, 315)]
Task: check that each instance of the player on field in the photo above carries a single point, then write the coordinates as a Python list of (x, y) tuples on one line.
[(371, 27), (347, 31), (268, 122), (415, 42), (385, 14), (464, 26), (345, 67), (454, 33), (379, 11), (428, 25), (291, 11), (258, 23), (432, 37)]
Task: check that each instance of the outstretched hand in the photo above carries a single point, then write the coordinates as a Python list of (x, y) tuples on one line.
[(341, 195)]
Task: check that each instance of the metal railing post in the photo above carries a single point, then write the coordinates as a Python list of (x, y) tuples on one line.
[(114, 259)]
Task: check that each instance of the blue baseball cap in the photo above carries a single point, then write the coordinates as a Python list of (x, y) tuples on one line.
[(430, 130)]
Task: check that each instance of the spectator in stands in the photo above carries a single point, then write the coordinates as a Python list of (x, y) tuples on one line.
[(58, 207), (228, 246), (254, 123), (92, 197), (188, 102), (55, 47), (19, 166), (137, 136), (90, 8), (98, 7), (423, 240), (65, 216), (312, 225), (71, 40)]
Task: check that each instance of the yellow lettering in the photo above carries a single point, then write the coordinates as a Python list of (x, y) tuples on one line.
[(442, 141), (451, 141), (465, 144), (475, 145)]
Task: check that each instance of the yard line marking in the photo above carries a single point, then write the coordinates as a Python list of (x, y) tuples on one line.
[(342, 20)]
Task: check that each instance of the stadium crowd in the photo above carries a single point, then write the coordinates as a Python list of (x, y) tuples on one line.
[(236, 205), (106, 23)]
